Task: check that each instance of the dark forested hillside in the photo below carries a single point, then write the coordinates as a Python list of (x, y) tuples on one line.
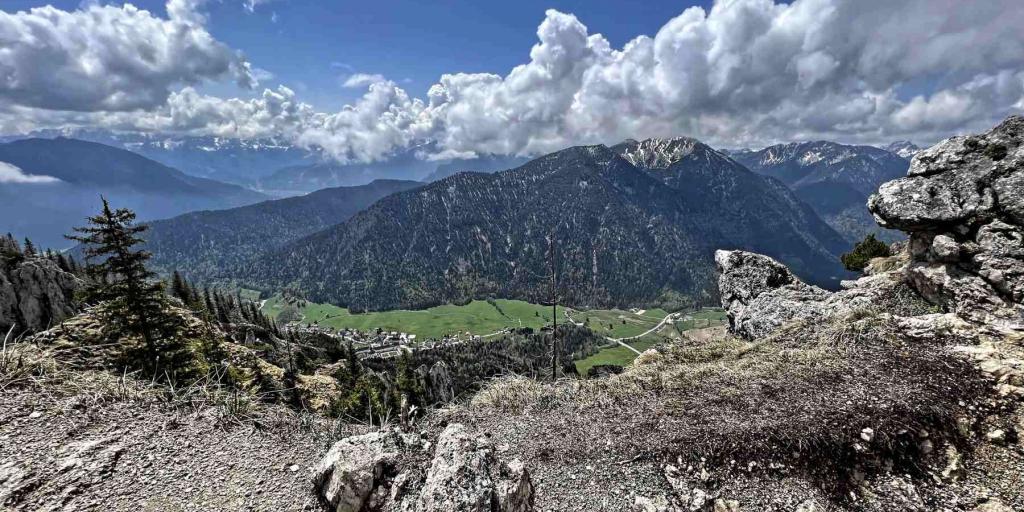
[(203, 244), (834, 179), (747, 210), (623, 238)]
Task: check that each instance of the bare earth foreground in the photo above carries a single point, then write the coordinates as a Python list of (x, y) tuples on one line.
[(73, 453), (900, 392)]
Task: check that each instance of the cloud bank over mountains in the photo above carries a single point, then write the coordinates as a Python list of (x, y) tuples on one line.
[(10, 173), (744, 73)]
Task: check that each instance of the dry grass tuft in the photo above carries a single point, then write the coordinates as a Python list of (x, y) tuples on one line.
[(809, 389)]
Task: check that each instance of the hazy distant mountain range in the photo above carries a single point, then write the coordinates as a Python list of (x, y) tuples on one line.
[(80, 172), (238, 161), (273, 166)]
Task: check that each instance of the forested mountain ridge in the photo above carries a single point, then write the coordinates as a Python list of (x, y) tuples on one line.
[(483, 163), (623, 238), (203, 244), (473, 235), (834, 179), (748, 210)]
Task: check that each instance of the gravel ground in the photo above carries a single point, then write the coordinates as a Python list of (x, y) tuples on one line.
[(130, 456)]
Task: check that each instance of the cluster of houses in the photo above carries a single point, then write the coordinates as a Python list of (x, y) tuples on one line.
[(380, 343)]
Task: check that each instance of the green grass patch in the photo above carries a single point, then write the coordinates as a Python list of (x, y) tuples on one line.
[(636, 324), (479, 317), (617, 355), (618, 323)]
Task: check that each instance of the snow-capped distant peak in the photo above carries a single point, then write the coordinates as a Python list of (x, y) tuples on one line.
[(657, 153), (903, 148)]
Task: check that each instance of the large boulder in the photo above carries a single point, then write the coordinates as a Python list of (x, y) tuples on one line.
[(35, 294), (385, 471), (465, 476), (760, 294), (962, 204), (353, 468)]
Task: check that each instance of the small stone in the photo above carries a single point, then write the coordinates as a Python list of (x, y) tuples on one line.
[(997, 436), (655, 504), (993, 505), (867, 434), (945, 249), (293, 468), (722, 505), (926, 446), (954, 468), (698, 499), (808, 506), (35, 414)]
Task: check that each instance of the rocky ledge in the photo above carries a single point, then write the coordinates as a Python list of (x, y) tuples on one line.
[(962, 205)]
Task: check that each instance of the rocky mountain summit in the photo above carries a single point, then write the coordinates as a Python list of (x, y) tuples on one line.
[(903, 148)]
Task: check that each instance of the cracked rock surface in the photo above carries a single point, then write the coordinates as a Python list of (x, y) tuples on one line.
[(962, 204)]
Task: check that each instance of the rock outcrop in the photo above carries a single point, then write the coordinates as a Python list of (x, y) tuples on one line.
[(387, 471), (35, 294), (760, 295), (962, 204), (956, 287), (436, 382)]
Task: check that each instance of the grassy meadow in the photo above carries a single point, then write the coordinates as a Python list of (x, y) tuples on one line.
[(482, 317)]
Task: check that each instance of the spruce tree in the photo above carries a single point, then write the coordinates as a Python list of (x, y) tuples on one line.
[(406, 383), (179, 288), (30, 248), (131, 297)]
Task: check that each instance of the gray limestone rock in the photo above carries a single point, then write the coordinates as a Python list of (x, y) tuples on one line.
[(35, 294)]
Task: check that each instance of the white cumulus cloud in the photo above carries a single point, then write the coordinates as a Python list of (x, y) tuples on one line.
[(109, 58), (10, 173), (358, 80), (743, 73)]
